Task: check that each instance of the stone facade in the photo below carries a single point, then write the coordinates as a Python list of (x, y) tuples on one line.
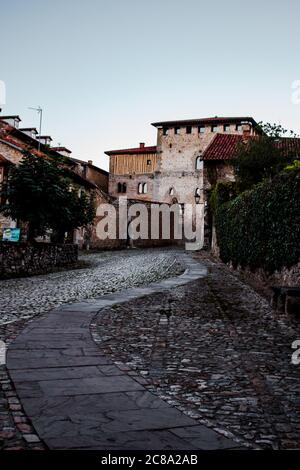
[(177, 171), (86, 177), (19, 259)]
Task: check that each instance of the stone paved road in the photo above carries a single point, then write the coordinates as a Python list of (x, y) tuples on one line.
[(77, 398), (216, 350), (21, 300), (107, 272)]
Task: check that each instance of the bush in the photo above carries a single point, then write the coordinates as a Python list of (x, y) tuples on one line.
[(261, 227)]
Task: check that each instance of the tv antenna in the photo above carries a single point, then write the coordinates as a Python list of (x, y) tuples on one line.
[(40, 112)]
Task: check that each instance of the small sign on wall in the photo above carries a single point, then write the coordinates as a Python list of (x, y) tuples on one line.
[(11, 234)]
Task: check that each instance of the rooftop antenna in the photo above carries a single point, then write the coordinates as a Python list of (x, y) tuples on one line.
[(40, 112)]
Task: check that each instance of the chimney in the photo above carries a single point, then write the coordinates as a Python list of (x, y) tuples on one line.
[(90, 162), (44, 139), (62, 150), (30, 131), (142, 145), (13, 121)]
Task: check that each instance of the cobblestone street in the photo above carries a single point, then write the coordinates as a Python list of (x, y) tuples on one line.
[(23, 299), (217, 351), (107, 272)]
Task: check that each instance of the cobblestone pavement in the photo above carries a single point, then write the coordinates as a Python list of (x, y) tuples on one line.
[(23, 299), (215, 349)]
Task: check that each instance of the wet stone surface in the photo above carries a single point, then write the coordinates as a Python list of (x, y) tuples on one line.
[(22, 300), (215, 349)]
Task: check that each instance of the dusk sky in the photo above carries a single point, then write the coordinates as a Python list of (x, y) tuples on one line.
[(103, 70)]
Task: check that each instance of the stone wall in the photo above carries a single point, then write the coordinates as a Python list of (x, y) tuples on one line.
[(22, 259), (132, 182)]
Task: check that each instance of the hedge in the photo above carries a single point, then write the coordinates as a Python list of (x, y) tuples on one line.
[(261, 228)]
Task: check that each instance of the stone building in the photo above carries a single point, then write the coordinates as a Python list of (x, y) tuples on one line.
[(188, 158), (176, 169), (173, 169), (84, 175)]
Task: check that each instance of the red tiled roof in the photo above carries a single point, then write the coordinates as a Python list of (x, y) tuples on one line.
[(290, 146), (224, 146), (210, 120), (132, 151)]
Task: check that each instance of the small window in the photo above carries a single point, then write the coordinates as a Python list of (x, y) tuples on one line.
[(165, 131), (119, 187), (177, 130), (124, 188), (198, 163), (188, 129), (145, 188), (171, 192), (238, 127), (148, 162), (140, 188), (226, 127), (201, 129), (214, 128)]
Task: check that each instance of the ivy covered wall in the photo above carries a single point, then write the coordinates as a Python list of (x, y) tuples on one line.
[(260, 228)]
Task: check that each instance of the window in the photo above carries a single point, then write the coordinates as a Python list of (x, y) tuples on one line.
[(238, 127), (201, 129), (188, 129), (214, 128), (198, 165), (142, 188), (148, 162), (171, 191), (177, 130), (122, 187), (165, 131), (226, 127)]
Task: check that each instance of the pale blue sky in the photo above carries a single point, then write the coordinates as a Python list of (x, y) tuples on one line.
[(103, 70)]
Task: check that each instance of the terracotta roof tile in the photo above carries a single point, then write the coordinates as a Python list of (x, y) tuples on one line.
[(224, 146)]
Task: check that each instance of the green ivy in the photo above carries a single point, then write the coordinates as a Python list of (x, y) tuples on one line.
[(260, 228)]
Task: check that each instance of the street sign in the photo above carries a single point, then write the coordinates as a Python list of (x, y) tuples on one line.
[(11, 234)]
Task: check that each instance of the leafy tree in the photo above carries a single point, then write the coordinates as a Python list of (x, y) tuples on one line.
[(261, 157), (39, 193)]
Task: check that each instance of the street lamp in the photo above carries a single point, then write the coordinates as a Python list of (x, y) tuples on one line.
[(197, 196)]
